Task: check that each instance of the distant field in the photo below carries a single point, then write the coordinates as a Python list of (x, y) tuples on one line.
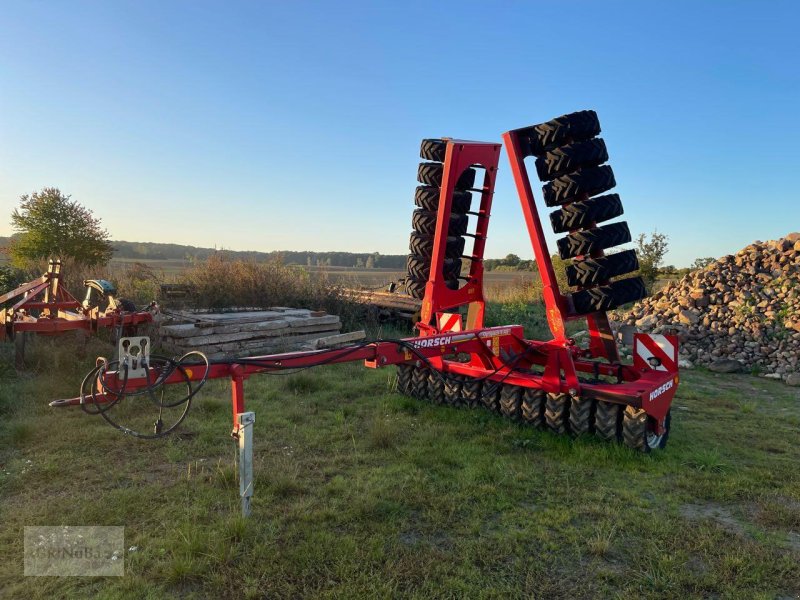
[(350, 276)]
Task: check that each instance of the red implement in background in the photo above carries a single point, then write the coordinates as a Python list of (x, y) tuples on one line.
[(44, 307)]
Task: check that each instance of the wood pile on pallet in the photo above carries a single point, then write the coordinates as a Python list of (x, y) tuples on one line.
[(252, 333), (389, 306)]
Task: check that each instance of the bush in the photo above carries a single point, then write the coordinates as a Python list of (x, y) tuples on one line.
[(221, 283), (10, 278)]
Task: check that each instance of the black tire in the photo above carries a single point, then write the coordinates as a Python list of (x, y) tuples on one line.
[(453, 386), (424, 221), (571, 127), (490, 395), (415, 287), (608, 421), (419, 383), (421, 244), (418, 267), (556, 412), (596, 271), (126, 305), (435, 387), (609, 297), (589, 181), (432, 174), (583, 214), (433, 149), (427, 197), (638, 430), (581, 416), (405, 375), (511, 401), (569, 158), (593, 240), (533, 406), (471, 392)]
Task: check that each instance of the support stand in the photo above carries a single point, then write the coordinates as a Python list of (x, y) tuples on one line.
[(245, 422)]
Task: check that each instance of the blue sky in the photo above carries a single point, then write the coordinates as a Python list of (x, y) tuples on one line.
[(296, 125)]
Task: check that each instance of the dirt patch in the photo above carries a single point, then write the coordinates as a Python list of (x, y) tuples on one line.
[(793, 540), (716, 513)]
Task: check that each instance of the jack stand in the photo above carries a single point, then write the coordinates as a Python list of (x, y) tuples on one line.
[(245, 436)]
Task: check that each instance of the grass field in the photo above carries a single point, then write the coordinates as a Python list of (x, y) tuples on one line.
[(361, 492), (348, 276)]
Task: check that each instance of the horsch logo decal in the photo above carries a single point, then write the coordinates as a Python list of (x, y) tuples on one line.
[(433, 342), (661, 389)]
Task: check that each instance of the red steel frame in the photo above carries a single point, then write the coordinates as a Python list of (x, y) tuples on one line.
[(559, 310), (58, 310), (461, 155), (557, 366), (560, 357)]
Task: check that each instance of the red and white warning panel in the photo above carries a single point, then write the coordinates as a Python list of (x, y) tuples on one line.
[(449, 322), (655, 351)]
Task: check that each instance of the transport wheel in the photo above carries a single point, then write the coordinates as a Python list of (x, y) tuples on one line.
[(435, 387), (490, 395), (576, 126), (126, 305), (419, 383), (591, 181), (471, 392), (511, 401), (556, 412), (608, 297), (569, 158), (405, 376), (421, 244), (608, 421), (638, 430), (432, 174), (427, 197), (585, 213), (418, 267), (594, 271), (592, 240), (433, 149), (581, 416), (453, 390), (415, 287), (533, 406), (424, 221)]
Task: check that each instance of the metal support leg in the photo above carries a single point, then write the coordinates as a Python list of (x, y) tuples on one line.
[(245, 435)]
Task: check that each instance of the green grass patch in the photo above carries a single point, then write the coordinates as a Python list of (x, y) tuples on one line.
[(361, 492)]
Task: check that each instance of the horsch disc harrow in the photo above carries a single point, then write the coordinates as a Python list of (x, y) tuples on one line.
[(455, 359)]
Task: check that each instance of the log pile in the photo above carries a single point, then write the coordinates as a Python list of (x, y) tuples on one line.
[(388, 306), (251, 333)]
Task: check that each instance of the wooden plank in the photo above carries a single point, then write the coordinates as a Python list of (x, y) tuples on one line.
[(310, 321), (192, 330), (259, 346), (335, 340), (244, 336)]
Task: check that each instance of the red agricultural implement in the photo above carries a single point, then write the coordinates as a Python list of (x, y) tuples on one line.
[(43, 306), (556, 384)]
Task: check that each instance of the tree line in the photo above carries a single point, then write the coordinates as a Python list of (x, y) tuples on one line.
[(49, 223)]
